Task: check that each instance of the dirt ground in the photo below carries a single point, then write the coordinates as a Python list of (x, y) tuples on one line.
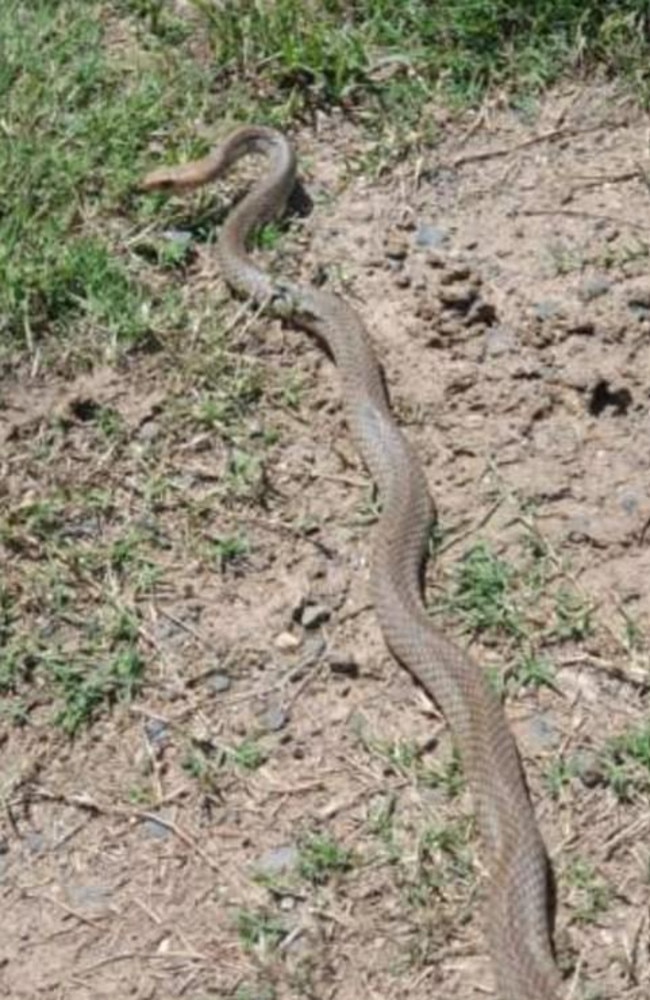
[(504, 278)]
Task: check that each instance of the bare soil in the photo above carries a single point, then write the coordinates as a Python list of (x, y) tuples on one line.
[(504, 278)]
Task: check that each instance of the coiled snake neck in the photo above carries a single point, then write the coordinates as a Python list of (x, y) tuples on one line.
[(517, 906)]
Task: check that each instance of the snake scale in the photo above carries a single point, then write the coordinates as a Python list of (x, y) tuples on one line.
[(517, 905)]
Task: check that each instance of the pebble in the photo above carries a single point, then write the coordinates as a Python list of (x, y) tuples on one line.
[(547, 309), (594, 287), (157, 732), (219, 683), (396, 248), (457, 272), (589, 768), (274, 719), (89, 897), (286, 642), (544, 733), (313, 615), (156, 829), (437, 259), (277, 860), (149, 431), (499, 339), (458, 297), (430, 236)]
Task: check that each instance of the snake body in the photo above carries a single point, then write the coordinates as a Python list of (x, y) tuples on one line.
[(517, 906)]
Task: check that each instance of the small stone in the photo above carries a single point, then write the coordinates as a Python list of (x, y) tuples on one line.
[(274, 719), (149, 431), (35, 842), (157, 829), (589, 768), (402, 280), (396, 248), (277, 860), (458, 297), (543, 732), (458, 272), (89, 897), (314, 615), (286, 642), (429, 236), (547, 309), (499, 340), (157, 731), (437, 259), (630, 502), (594, 287), (219, 683)]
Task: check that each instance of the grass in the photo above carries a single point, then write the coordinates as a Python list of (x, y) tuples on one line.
[(529, 605), (85, 90), (321, 857)]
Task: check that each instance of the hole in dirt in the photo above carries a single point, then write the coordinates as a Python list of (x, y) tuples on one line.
[(603, 397), (84, 409)]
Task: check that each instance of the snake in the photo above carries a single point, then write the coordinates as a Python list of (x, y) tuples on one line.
[(518, 892)]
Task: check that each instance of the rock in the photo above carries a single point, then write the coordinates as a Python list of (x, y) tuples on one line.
[(588, 768), (437, 259), (274, 719), (156, 829), (396, 248), (432, 237), (594, 287), (219, 683), (286, 642), (313, 615), (543, 732), (277, 860), (499, 340), (157, 732), (456, 272), (458, 297), (639, 298), (149, 431), (547, 309)]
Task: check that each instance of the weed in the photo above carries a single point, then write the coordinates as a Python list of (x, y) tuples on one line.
[(573, 617), (626, 762), (591, 895), (534, 671), (87, 687), (230, 550), (259, 930), (483, 593), (249, 755), (447, 776), (320, 857), (245, 476), (558, 775), (443, 857)]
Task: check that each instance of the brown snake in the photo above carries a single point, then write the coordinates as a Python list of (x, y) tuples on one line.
[(517, 911)]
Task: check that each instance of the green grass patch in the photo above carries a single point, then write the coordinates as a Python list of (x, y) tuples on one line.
[(79, 107), (321, 857)]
